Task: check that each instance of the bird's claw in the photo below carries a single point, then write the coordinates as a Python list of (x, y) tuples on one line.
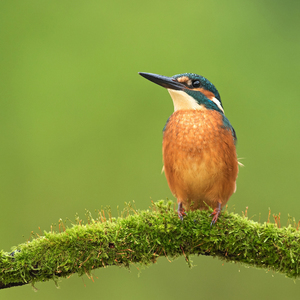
[(216, 214), (181, 212), (214, 220)]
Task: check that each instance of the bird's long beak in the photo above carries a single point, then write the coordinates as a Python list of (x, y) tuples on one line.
[(164, 81)]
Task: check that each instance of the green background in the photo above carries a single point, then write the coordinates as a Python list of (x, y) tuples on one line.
[(80, 129)]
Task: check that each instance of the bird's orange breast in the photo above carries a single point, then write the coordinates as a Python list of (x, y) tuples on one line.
[(200, 160)]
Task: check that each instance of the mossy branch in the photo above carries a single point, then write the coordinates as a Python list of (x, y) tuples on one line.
[(143, 236)]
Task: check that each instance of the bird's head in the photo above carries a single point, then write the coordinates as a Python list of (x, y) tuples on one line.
[(189, 91)]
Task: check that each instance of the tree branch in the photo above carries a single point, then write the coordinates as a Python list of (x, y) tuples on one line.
[(143, 236)]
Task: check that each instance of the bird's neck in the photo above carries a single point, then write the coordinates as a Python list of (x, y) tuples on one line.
[(209, 103)]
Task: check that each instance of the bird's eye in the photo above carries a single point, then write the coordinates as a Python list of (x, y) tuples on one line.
[(196, 83)]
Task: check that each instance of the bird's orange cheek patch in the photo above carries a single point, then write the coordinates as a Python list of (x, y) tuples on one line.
[(210, 95)]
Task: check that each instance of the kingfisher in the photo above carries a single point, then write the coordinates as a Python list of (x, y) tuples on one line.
[(199, 145)]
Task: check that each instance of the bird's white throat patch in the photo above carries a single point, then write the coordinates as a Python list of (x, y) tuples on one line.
[(182, 100), (218, 103)]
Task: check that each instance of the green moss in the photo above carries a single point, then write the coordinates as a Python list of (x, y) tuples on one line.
[(143, 236)]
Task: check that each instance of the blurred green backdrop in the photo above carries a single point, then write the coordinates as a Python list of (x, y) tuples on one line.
[(81, 129)]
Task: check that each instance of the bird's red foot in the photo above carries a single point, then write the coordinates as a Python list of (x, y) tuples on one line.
[(181, 212), (216, 214)]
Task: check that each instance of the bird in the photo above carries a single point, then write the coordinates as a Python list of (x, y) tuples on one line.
[(199, 145)]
